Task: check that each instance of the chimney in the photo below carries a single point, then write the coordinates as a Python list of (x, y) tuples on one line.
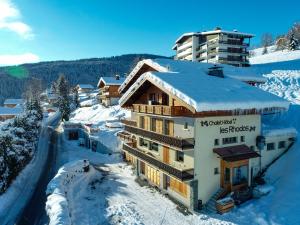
[(216, 71), (117, 77)]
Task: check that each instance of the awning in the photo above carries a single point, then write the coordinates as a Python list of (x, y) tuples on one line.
[(236, 153)]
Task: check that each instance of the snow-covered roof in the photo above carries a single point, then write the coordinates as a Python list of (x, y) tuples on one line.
[(288, 131), (85, 86), (6, 111), (111, 81), (209, 93), (169, 65), (13, 101), (212, 32)]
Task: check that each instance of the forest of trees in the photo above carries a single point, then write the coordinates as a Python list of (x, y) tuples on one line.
[(14, 79)]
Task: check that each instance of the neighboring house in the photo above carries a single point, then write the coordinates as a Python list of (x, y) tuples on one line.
[(51, 96), (217, 46), (12, 103), (247, 75), (84, 88), (9, 112), (108, 90), (195, 134)]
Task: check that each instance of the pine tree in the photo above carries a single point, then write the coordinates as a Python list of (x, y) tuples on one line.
[(63, 99), (293, 43), (76, 97), (265, 50)]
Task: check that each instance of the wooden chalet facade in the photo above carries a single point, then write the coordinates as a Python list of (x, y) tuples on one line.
[(108, 90), (188, 153)]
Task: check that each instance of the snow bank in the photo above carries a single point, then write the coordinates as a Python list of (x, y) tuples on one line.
[(273, 56), (61, 188)]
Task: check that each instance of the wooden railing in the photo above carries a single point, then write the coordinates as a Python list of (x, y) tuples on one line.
[(162, 110), (187, 143), (181, 175), (129, 122)]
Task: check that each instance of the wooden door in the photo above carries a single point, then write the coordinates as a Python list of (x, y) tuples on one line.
[(166, 155)]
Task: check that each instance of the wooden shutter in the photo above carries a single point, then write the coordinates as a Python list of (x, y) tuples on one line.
[(159, 126), (166, 155), (171, 128)]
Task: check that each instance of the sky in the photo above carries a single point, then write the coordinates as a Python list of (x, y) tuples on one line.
[(44, 30)]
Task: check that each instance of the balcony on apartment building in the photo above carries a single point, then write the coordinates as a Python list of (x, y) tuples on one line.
[(180, 174), (177, 142)]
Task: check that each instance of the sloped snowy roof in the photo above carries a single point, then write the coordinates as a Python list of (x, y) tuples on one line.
[(169, 65), (85, 86), (12, 101), (10, 111), (111, 81), (209, 93)]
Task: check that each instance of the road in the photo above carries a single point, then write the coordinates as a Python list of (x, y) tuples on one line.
[(34, 213)]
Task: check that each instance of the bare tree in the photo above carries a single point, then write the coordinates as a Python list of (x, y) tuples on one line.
[(266, 40)]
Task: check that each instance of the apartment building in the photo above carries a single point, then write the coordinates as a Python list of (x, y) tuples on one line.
[(217, 46), (193, 133), (108, 90)]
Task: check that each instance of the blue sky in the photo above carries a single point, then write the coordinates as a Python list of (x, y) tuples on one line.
[(72, 29)]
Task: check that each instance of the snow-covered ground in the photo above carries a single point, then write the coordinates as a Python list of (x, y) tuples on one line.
[(273, 56)]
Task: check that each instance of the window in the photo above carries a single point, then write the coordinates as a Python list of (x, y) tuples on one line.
[(281, 144), (186, 126), (142, 122), (270, 146), (167, 127), (144, 143), (179, 156), (242, 138), (154, 146), (227, 175), (229, 140), (216, 170), (153, 124), (240, 175), (216, 142), (152, 97)]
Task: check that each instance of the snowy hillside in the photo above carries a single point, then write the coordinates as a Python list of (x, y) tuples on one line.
[(273, 56)]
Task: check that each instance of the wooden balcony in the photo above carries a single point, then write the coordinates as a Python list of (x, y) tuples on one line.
[(132, 123), (181, 175), (162, 110), (187, 143)]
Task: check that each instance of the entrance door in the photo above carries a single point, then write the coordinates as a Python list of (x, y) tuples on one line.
[(166, 155), (234, 175)]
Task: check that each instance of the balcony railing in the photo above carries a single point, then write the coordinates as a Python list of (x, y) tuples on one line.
[(187, 143), (162, 110), (132, 123), (181, 175)]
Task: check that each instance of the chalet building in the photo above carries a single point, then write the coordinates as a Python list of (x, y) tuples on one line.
[(84, 88), (217, 46), (108, 90), (247, 75), (195, 134), (9, 112), (12, 103)]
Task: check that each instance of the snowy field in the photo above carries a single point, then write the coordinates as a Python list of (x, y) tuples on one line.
[(273, 56)]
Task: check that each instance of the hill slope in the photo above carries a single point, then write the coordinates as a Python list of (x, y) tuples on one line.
[(13, 79)]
